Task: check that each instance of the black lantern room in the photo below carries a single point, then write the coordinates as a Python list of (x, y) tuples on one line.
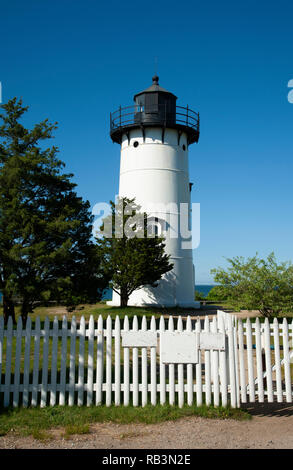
[(154, 107)]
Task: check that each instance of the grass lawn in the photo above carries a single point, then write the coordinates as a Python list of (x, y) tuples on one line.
[(77, 420), (101, 308)]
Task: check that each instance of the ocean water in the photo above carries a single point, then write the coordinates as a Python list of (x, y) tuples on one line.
[(204, 288), (107, 294)]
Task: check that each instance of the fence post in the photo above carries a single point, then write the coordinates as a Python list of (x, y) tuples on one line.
[(278, 361), (63, 362), (100, 362), (44, 386), (207, 355), (53, 384), (268, 362), (234, 326), (135, 366), (259, 361), (250, 362), (241, 362), (287, 362), (26, 368), (189, 370), (223, 365), (72, 362), (215, 362), (144, 375), (9, 332), (171, 370), (153, 367), (117, 361), (17, 362), (90, 365), (80, 395), (232, 371), (162, 369), (36, 362), (126, 383), (180, 371), (109, 361), (198, 370)]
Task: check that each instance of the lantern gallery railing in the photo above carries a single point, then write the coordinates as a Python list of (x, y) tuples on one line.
[(155, 114)]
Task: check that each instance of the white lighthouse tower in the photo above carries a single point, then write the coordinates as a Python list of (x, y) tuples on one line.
[(154, 136)]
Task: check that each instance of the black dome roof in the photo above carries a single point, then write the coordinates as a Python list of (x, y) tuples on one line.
[(155, 87)]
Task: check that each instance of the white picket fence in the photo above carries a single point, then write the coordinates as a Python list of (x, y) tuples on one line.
[(265, 354), (87, 363)]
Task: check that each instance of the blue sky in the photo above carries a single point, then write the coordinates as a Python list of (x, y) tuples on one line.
[(74, 62)]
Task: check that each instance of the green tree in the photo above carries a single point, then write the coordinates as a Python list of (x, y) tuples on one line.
[(199, 295), (131, 257), (260, 284), (46, 251), (217, 293)]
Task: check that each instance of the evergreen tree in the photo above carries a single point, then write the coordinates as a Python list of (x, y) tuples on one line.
[(46, 251), (131, 258)]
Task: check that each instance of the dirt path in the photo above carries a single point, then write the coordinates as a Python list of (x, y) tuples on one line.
[(270, 428)]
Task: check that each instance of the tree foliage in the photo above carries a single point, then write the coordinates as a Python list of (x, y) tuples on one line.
[(131, 258), (217, 294), (257, 284), (199, 295), (46, 250)]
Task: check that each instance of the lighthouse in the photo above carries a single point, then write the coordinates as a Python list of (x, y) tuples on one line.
[(154, 136)]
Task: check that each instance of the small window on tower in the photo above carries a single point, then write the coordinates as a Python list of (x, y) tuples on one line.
[(135, 144), (184, 147)]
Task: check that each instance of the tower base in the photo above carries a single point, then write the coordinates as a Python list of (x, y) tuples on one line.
[(192, 304), (165, 295)]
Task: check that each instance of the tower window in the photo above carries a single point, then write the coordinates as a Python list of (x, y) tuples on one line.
[(135, 144), (151, 103), (184, 147)]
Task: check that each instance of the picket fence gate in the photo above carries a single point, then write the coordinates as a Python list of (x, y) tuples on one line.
[(94, 363)]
